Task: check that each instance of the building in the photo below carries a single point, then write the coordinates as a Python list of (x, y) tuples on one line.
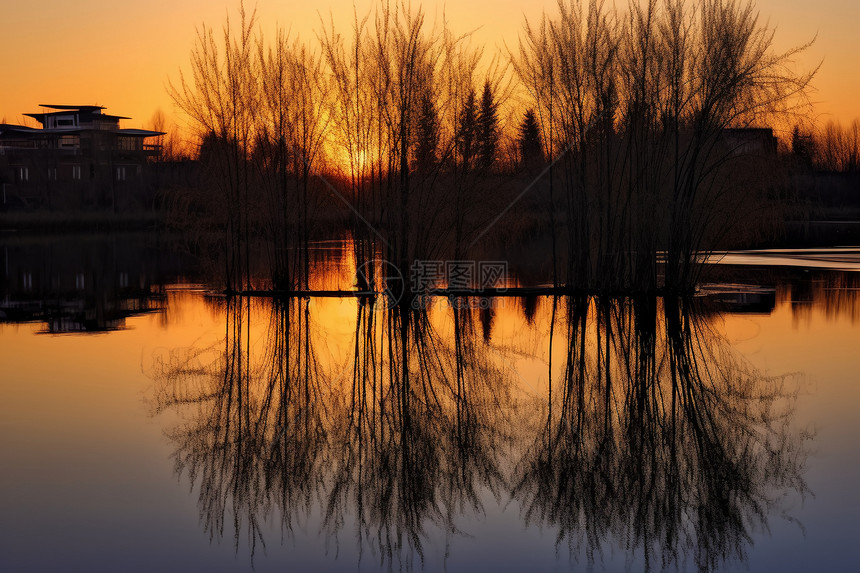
[(78, 159), (759, 141)]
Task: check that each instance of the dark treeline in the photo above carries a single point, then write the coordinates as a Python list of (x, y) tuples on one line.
[(652, 431), (833, 148), (825, 163), (606, 132)]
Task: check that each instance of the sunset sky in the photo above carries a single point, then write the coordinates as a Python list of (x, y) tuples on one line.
[(123, 54)]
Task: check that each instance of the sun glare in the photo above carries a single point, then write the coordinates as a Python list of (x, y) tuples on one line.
[(357, 163)]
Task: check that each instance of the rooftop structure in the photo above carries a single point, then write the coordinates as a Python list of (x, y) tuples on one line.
[(78, 158)]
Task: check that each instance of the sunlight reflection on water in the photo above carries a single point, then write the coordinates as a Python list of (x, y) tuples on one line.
[(90, 471)]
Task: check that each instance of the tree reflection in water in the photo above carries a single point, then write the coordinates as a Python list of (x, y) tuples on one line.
[(659, 438), (418, 439), (252, 436), (654, 435), (410, 439)]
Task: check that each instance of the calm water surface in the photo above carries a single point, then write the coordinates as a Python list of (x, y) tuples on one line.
[(147, 426)]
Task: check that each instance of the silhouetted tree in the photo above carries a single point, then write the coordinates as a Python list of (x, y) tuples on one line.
[(639, 100), (633, 103), (839, 147), (487, 127), (803, 146), (531, 151), (427, 134), (220, 97), (467, 130)]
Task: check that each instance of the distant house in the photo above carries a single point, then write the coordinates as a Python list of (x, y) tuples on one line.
[(79, 158), (750, 141)]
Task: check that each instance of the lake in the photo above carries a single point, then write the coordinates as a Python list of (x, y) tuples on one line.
[(148, 424)]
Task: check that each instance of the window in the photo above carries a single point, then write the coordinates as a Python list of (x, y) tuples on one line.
[(120, 173), (69, 142), (76, 172), (23, 174), (125, 143), (52, 173)]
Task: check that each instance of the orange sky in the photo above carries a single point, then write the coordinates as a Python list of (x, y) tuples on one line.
[(122, 54)]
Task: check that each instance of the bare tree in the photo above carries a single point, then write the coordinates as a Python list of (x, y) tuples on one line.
[(221, 98), (290, 145), (630, 107), (639, 101), (838, 147)]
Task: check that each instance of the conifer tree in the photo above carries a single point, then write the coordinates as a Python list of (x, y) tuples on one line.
[(427, 136), (531, 151), (467, 131), (487, 128)]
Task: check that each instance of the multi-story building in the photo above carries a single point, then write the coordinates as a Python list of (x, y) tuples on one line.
[(79, 158)]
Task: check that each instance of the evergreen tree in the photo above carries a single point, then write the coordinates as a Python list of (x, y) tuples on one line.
[(427, 136), (488, 128), (531, 151), (467, 131)]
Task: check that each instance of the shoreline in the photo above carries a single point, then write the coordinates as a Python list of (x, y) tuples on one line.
[(57, 221)]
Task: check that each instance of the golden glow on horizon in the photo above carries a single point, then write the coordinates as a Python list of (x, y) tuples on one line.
[(89, 371), (346, 164), (123, 55)]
